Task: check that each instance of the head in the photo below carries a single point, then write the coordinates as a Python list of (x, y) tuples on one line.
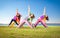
[(32, 16), (17, 14)]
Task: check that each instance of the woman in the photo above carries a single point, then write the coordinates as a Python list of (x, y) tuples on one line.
[(42, 19), (27, 20), (16, 18)]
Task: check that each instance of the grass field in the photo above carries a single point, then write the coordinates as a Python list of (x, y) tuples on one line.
[(26, 32)]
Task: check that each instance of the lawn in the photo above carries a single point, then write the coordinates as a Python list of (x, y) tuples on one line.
[(26, 32)]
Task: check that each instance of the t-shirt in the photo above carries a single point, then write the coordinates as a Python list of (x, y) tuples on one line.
[(15, 18), (42, 17), (29, 19)]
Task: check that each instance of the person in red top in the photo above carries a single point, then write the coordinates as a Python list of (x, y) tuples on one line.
[(16, 18)]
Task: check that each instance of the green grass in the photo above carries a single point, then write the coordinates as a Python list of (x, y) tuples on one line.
[(26, 32)]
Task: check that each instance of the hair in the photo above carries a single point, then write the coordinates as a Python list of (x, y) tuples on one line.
[(32, 16), (19, 16), (47, 18)]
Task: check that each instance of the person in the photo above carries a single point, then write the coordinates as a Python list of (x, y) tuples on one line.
[(42, 19), (27, 20), (16, 18)]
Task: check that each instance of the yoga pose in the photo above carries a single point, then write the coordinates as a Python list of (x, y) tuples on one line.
[(42, 19), (28, 19), (16, 18)]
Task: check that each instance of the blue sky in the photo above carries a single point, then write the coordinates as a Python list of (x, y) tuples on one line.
[(8, 9)]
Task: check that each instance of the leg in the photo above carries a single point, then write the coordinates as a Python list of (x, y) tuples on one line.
[(30, 25), (15, 22), (36, 23), (44, 24), (11, 22), (21, 24)]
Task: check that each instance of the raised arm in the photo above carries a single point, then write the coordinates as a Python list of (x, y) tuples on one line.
[(28, 10), (16, 11)]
